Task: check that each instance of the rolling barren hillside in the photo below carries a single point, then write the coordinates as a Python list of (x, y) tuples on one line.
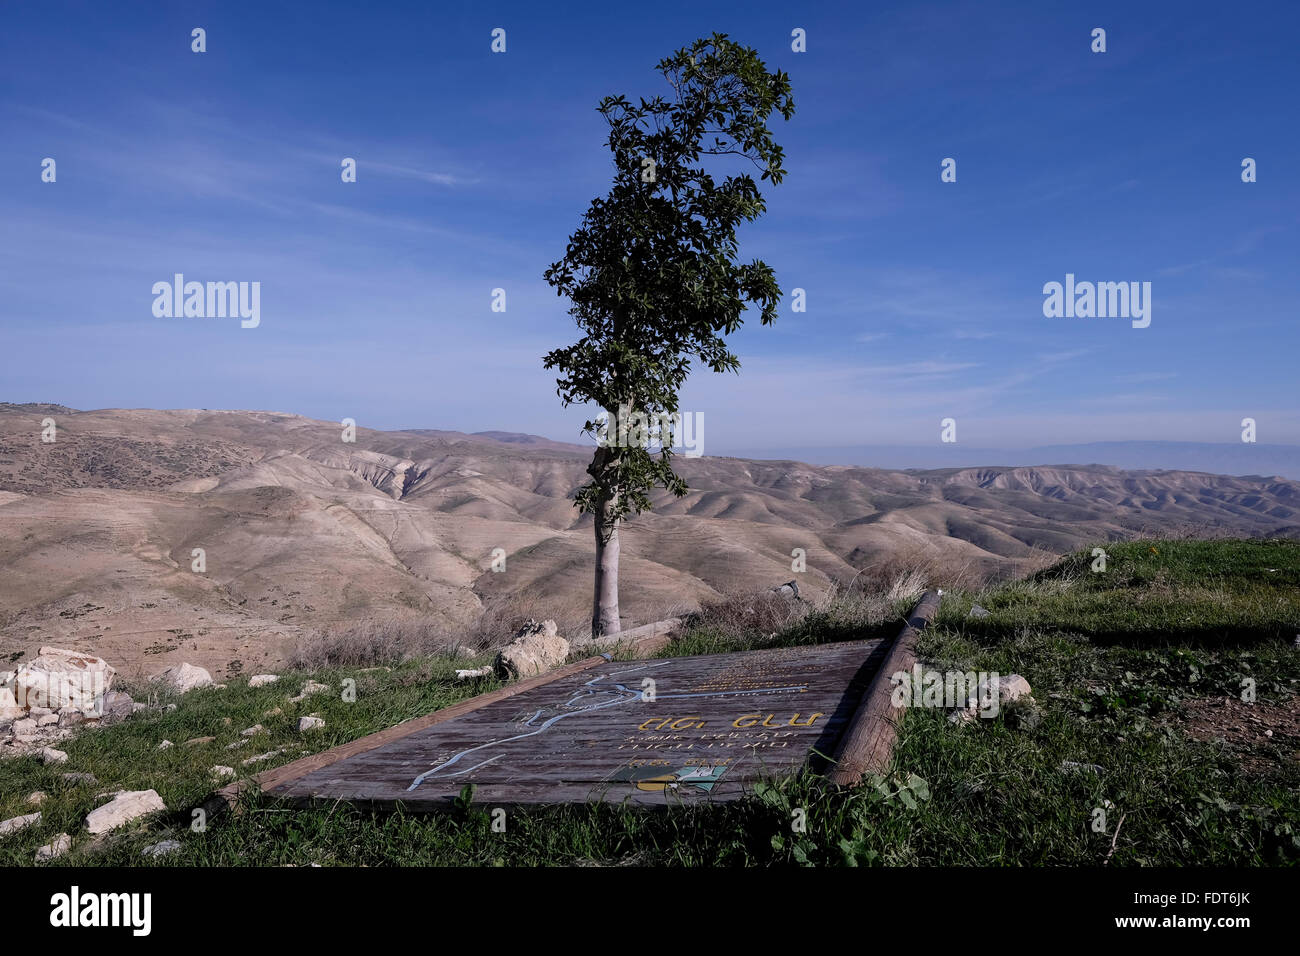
[(301, 531)]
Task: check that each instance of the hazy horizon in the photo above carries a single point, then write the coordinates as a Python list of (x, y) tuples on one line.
[(1226, 458)]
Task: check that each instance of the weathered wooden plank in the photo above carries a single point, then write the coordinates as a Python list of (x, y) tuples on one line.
[(868, 743), (706, 728), (646, 639), (297, 768), (648, 643), (653, 732)]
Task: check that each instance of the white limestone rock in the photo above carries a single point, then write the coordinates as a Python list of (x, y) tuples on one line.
[(60, 845), (127, 806), (161, 848), (14, 824), (308, 689), (535, 650), (58, 678), (182, 678)]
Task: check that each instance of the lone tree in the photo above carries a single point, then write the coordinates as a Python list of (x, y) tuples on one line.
[(653, 276)]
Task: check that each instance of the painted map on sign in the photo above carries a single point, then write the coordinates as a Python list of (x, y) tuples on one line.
[(661, 731)]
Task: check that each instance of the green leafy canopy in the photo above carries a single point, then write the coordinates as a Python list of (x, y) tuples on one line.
[(653, 272)]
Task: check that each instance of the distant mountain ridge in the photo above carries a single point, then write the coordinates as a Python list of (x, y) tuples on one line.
[(1216, 458), (301, 530)]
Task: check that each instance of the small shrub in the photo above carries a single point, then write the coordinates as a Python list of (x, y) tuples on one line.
[(907, 572), (367, 643), (739, 615)]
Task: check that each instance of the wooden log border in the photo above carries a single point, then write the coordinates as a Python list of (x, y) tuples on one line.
[(867, 745), (640, 640), (653, 639)]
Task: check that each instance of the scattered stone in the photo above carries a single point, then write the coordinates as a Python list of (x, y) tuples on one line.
[(260, 757), (237, 744), (50, 756), (310, 723), (80, 779), (67, 717), (14, 824), (198, 741), (60, 845), (36, 798), (254, 730), (183, 678), (1075, 765), (165, 745), (119, 706), (161, 849), (59, 678), (273, 712), (261, 680), (1012, 689), (49, 720), (788, 590), (465, 651), (309, 688), (473, 672), (126, 806), (536, 649), (225, 721), (977, 611), (9, 709), (25, 727), (220, 771), (169, 708), (39, 712)]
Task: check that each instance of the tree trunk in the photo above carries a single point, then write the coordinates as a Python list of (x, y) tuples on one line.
[(604, 608)]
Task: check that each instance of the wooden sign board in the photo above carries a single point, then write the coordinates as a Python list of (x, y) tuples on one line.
[(664, 731)]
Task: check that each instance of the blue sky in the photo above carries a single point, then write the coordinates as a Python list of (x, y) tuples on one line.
[(924, 298)]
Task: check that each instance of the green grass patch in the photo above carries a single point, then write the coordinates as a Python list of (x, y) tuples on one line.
[(1115, 658)]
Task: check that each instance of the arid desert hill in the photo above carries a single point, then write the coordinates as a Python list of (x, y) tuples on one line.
[(301, 531)]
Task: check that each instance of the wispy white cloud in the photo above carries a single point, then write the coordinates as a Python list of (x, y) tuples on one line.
[(1136, 378), (428, 176), (1131, 399), (927, 368), (1059, 358)]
